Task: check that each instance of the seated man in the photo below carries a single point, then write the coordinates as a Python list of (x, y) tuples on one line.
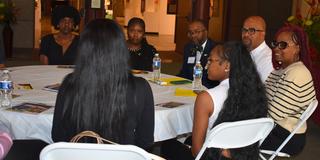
[(197, 49), (253, 37)]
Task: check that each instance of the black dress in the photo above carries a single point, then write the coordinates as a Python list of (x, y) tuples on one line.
[(141, 59), (50, 48)]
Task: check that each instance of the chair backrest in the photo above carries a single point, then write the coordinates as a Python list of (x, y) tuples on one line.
[(86, 151), (237, 134), (303, 118)]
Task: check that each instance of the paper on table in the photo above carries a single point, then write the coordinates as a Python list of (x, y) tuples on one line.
[(172, 81), (23, 86), (184, 92), (33, 108), (53, 87), (136, 71), (170, 104)]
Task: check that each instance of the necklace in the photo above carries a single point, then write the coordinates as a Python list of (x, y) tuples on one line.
[(137, 51)]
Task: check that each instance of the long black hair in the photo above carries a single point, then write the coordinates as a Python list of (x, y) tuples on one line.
[(96, 100), (246, 95)]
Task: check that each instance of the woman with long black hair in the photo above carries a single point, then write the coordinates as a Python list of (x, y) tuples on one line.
[(101, 94), (239, 96)]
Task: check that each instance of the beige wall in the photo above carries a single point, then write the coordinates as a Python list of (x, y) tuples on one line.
[(24, 29), (215, 27), (155, 16)]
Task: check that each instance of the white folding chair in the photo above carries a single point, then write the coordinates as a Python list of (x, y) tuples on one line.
[(303, 118), (86, 151), (238, 134)]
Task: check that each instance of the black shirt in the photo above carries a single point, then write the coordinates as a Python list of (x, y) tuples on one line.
[(142, 59), (139, 128), (54, 51)]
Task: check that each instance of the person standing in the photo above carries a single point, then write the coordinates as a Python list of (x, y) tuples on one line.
[(198, 49), (253, 37), (61, 48)]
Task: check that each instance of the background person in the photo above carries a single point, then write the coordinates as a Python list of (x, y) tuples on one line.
[(239, 96), (290, 89), (253, 37), (141, 53), (102, 95), (61, 48), (199, 41)]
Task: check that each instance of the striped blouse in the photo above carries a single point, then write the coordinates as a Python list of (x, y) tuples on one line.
[(289, 93)]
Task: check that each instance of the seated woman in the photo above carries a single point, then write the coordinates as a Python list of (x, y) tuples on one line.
[(101, 94), (239, 96), (61, 47), (141, 53), (290, 89)]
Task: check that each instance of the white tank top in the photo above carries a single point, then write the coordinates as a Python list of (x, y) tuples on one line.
[(218, 95)]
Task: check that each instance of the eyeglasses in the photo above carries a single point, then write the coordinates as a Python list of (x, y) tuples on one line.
[(190, 33), (251, 31), (281, 45)]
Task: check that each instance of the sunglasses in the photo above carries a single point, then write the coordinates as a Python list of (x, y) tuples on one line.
[(281, 45), (251, 31)]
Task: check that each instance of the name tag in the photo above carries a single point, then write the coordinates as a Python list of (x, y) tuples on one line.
[(191, 60)]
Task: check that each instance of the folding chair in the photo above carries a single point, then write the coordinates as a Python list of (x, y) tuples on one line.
[(237, 134), (303, 118), (86, 151)]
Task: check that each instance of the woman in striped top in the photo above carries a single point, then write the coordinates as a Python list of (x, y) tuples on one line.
[(290, 89)]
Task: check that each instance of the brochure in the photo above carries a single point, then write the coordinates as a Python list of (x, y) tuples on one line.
[(52, 87), (32, 108), (170, 104)]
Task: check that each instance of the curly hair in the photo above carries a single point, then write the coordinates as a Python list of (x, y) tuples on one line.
[(246, 95), (60, 12)]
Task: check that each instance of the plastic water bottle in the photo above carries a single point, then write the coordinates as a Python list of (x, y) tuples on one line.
[(197, 76), (6, 89), (156, 66)]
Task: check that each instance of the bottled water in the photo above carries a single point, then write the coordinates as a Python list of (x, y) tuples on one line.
[(197, 76), (156, 66), (6, 89)]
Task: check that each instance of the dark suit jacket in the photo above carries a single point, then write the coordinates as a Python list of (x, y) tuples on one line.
[(187, 68)]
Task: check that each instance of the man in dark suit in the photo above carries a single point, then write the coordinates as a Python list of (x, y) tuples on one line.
[(197, 49)]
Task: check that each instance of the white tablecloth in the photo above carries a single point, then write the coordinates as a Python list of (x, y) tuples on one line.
[(169, 122)]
